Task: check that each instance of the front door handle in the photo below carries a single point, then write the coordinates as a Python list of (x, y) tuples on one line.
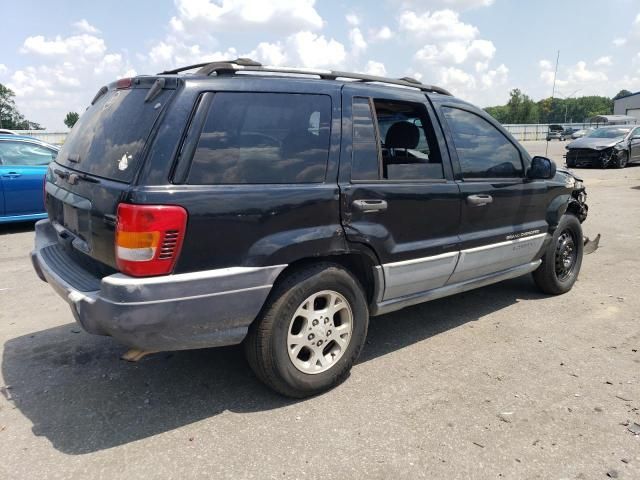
[(11, 175), (479, 200), (370, 205)]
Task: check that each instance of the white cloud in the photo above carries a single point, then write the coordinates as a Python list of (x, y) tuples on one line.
[(619, 41), (77, 45), (315, 51), (384, 33), (545, 65), (85, 27), (110, 63), (603, 62), (453, 4), (456, 52), (352, 19), (495, 77), (3, 69), (589, 80), (375, 68), (439, 25), (269, 54), (358, 44), (204, 16), (67, 73)]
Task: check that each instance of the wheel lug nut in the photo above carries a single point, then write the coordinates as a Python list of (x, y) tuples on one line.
[(311, 336), (319, 343), (326, 320), (314, 323), (328, 332)]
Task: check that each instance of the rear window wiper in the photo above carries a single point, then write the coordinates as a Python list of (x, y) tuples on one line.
[(73, 178)]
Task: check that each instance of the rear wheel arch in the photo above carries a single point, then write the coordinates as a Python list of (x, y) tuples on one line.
[(358, 263)]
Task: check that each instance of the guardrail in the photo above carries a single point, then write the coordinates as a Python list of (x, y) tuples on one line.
[(538, 131)]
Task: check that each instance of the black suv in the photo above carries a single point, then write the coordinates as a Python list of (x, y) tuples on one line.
[(282, 208)]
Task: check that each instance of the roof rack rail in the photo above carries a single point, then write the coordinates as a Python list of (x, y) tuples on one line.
[(248, 65), (237, 61)]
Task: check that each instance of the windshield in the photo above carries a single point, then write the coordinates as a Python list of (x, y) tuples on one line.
[(109, 137), (609, 132)]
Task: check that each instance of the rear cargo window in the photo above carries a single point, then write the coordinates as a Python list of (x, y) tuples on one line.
[(263, 138), (109, 137)]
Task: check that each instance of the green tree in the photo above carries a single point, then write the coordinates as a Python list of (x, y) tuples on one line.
[(71, 119), (621, 93), (10, 117), (519, 109)]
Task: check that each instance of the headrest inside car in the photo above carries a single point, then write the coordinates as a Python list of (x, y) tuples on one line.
[(402, 135)]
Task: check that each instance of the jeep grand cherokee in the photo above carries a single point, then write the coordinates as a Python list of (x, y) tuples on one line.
[(282, 208)]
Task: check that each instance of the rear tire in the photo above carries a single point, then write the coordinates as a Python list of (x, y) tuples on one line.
[(562, 259), (310, 332)]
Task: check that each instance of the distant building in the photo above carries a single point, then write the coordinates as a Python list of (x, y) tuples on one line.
[(629, 105), (614, 119)]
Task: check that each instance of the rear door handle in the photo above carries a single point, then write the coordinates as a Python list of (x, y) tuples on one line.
[(370, 205), (479, 200), (11, 175)]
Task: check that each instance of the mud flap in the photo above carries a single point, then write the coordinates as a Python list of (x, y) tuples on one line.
[(591, 246)]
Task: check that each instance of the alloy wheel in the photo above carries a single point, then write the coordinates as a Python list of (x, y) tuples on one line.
[(319, 332)]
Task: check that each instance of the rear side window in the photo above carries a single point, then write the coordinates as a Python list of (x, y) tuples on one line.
[(263, 138), (25, 153), (109, 138), (483, 151)]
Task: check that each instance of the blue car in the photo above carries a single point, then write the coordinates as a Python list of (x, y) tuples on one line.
[(23, 164)]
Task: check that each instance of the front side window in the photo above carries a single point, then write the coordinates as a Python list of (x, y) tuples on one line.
[(25, 153), (263, 138), (483, 151)]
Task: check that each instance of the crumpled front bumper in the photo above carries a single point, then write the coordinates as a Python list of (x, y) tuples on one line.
[(172, 312)]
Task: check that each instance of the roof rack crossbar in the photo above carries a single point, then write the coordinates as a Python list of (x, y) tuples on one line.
[(247, 65)]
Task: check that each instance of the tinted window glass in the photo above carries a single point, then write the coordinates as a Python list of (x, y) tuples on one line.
[(364, 164), (409, 146), (25, 153), (109, 137), (263, 138), (483, 151)]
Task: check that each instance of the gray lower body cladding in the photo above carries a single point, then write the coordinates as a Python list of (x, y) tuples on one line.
[(174, 312)]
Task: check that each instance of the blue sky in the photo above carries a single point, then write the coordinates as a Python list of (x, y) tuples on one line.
[(56, 55)]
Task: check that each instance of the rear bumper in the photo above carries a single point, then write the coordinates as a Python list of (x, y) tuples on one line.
[(173, 312)]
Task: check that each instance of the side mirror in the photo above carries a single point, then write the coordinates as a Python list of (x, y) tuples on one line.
[(541, 168)]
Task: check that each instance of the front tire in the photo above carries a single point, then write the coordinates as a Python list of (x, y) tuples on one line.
[(621, 160), (310, 332), (562, 259)]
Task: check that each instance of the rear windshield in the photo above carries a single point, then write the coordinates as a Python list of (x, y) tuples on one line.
[(109, 137)]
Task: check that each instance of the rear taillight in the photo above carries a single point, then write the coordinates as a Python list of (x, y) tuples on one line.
[(149, 238)]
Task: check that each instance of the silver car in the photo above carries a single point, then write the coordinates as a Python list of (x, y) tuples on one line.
[(613, 146)]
